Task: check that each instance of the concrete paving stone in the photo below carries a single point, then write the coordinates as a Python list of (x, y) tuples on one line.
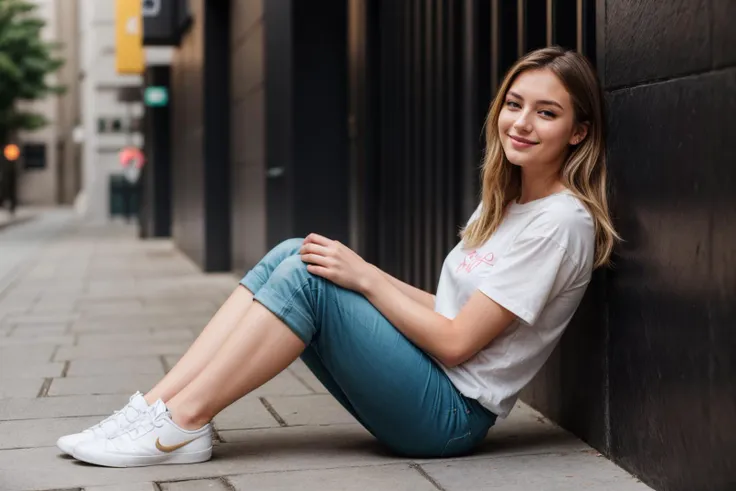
[(106, 384), (133, 486), (27, 354), (90, 352), (111, 302), (41, 432), (119, 309), (299, 369), (392, 477), (550, 472), (19, 369), (524, 432), (245, 413), (97, 338), (192, 308), (117, 366), (196, 485), (38, 319), (35, 330), (19, 387), (53, 309), (271, 450), (61, 407), (283, 384), (149, 321), (316, 409), (64, 339)]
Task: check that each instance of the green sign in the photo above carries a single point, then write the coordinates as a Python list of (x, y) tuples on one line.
[(156, 96)]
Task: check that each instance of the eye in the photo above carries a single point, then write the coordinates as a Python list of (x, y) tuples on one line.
[(548, 114), (513, 104)]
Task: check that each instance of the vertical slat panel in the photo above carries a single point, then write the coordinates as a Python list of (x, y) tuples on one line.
[(406, 209), (386, 156), (415, 181), (564, 25), (440, 123), (429, 159), (534, 24)]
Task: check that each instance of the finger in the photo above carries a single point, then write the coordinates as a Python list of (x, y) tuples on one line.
[(318, 270), (315, 259), (319, 239), (314, 249)]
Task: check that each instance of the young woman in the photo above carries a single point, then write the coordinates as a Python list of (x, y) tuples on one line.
[(426, 374)]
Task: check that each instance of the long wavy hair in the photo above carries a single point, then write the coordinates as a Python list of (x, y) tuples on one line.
[(584, 170)]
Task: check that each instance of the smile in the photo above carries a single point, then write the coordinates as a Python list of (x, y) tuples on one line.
[(519, 142)]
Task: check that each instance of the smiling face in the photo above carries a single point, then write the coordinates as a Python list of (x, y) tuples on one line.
[(537, 124)]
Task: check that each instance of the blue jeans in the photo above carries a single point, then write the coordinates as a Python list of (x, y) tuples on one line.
[(394, 389)]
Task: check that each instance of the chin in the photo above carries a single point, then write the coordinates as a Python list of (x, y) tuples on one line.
[(517, 158)]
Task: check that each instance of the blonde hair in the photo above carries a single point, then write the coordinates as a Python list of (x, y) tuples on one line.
[(584, 171)]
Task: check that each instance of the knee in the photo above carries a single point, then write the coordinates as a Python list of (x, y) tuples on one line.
[(292, 270), (288, 247)]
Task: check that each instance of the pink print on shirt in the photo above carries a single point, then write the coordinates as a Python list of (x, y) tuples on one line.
[(473, 259)]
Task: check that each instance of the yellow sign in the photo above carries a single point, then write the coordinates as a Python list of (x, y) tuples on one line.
[(129, 37), (11, 152)]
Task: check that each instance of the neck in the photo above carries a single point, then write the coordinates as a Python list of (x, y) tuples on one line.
[(537, 186)]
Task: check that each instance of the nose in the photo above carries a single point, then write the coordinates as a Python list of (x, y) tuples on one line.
[(522, 123)]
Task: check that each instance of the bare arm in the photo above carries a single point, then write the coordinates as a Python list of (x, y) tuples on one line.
[(451, 341), (424, 298)]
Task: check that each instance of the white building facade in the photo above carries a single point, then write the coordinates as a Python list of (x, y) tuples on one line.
[(108, 124)]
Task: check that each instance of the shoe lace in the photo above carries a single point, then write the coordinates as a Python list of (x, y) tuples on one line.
[(128, 413), (145, 424)]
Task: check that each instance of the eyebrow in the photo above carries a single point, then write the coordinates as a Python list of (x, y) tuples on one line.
[(551, 103)]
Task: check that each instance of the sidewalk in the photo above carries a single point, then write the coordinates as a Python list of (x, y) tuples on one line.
[(92, 314), (21, 215)]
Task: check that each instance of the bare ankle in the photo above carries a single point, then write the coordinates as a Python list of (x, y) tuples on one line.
[(187, 417)]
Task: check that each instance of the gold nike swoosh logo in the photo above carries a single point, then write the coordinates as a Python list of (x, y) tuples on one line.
[(171, 448)]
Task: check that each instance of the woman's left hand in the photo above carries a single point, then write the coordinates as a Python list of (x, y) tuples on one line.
[(335, 262)]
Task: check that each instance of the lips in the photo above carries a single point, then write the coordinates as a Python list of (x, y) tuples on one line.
[(522, 140)]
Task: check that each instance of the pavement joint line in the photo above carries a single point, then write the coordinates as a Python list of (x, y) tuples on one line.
[(300, 379), (282, 471), (423, 473), (273, 412), (53, 354), (228, 485), (165, 365), (43, 392)]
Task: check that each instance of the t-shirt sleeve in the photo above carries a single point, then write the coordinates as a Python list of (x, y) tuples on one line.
[(533, 270)]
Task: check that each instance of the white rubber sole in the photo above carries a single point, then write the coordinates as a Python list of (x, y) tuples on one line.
[(107, 459)]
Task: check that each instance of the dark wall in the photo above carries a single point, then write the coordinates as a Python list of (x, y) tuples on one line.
[(646, 372), (201, 138), (307, 167), (188, 223), (155, 192), (247, 134)]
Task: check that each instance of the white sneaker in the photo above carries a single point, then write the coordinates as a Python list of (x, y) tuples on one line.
[(110, 426), (152, 441)]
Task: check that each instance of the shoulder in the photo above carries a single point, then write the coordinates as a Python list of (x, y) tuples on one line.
[(566, 222)]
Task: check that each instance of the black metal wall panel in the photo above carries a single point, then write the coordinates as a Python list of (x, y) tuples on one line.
[(200, 135), (419, 170)]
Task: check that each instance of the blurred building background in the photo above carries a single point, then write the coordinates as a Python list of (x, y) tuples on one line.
[(362, 120), (50, 165)]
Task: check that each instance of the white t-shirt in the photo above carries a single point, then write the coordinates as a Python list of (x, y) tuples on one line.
[(537, 265)]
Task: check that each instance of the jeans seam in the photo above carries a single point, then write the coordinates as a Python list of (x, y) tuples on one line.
[(288, 303), (454, 439)]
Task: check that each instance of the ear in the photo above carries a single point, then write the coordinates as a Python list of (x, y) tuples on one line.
[(581, 131)]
